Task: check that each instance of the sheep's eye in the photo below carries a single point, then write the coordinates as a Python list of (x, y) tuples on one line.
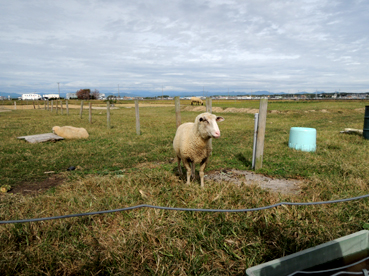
[(204, 120)]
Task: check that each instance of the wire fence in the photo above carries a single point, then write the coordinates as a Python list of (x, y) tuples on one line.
[(187, 209)]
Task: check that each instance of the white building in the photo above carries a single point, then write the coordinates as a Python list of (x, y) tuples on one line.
[(31, 97), (51, 96)]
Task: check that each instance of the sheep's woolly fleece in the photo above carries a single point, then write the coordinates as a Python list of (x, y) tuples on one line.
[(69, 132)]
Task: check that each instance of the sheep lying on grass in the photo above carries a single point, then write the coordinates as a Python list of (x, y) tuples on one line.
[(192, 143), (69, 132), (196, 100)]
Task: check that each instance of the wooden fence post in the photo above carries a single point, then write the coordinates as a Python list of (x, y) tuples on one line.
[(208, 105), (209, 109), (108, 113), (178, 111), (80, 111), (52, 105), (261, 133), (66, 105), (138, 131), (34, 107), (90, 114), (57, 111), (15, 105)]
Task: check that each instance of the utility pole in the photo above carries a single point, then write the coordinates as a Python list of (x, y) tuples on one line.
[(118, 92), (59, 90)]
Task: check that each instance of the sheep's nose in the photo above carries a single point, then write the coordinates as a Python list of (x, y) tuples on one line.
[(217, 134)]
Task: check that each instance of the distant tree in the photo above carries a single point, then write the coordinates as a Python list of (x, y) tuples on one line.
[(111, 99), (83, 94), (95, 94)]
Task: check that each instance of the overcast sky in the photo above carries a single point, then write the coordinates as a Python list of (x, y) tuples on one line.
[(184, 45)]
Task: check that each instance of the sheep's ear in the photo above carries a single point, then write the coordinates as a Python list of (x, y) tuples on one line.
[(220, 119)]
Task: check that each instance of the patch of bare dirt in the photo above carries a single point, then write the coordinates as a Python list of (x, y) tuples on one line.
[(4, 109), (35, 188), (238, 177), (227, 110)]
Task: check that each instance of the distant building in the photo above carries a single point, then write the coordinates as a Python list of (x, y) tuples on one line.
[(70, 96), (51, 97), (31, 96)]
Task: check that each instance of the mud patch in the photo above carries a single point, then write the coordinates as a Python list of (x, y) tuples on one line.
[(35, 188), (238, 177)]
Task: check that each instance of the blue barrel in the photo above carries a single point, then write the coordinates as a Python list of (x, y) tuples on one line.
[(366, 123), (302, 138)]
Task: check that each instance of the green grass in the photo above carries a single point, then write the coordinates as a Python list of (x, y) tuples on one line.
[(117, 168)]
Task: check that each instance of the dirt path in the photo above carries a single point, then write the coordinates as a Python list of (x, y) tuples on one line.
[(238, 177)]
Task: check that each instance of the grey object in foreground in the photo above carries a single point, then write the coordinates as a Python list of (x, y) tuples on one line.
[(39, 138), (343, 247)]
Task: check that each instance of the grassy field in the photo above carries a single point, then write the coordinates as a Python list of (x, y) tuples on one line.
[(116, 168)]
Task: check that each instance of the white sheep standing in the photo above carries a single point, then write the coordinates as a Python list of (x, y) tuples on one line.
[(69, 132), (192, 143)]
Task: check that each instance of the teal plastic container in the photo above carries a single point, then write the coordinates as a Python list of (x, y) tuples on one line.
[(366, 123), (302, 138)]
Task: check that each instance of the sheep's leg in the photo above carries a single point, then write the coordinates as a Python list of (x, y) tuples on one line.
[(188, 169), (202, 174)]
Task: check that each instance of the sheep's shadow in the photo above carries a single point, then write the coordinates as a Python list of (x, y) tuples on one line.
[(183, 176), (243, 159)]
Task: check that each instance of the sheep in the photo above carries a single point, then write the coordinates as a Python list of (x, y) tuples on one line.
[(70, 132), (192, 143), (196, 100)]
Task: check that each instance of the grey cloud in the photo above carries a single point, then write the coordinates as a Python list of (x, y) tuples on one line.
[(246, 45)]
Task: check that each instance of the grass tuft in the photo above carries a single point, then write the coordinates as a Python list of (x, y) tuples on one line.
[(116, 168)]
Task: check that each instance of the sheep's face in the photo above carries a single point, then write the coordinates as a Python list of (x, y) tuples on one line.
[(208, 126), (55, 128)]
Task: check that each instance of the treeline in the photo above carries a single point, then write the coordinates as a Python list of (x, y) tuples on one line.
[(86, 94)]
